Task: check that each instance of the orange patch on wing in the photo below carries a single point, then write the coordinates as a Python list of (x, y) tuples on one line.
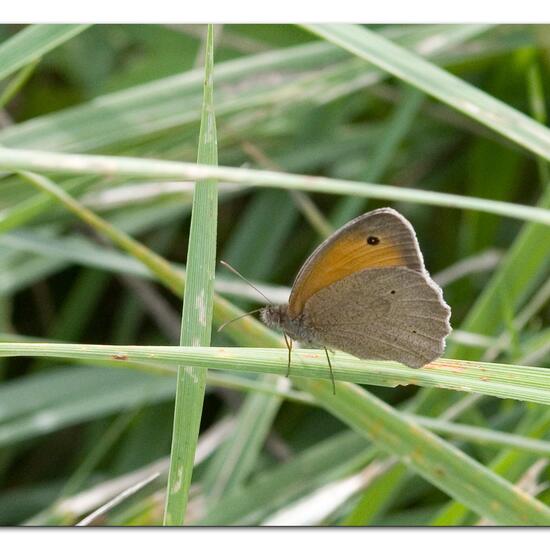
[(346, 256)]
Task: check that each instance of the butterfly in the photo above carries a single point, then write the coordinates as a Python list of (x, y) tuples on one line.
[(365, 291)]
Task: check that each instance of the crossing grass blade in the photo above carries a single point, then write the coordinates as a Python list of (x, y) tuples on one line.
[(434, 81), (524, 383), (12, 159), (196, 324)]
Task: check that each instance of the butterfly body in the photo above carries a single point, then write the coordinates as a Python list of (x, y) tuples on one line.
[(365, 291), (298, 329)]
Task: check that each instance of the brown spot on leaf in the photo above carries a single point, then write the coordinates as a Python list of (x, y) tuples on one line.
[(453, 365), (120, 356)]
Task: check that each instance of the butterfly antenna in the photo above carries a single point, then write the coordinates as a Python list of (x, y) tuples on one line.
[(331, 373), (232, 269), (223, 325)]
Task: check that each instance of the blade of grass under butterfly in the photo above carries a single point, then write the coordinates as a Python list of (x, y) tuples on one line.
[(88, 395), (32, 42), (196, 324), (524, 383), (437, 461), (437, 82), (12, 159)]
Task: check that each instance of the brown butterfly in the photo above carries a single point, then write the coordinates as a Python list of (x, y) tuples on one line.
[(365, 291)]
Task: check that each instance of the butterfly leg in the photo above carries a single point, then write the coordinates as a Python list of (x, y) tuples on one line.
[(331, 373), (288, 342)]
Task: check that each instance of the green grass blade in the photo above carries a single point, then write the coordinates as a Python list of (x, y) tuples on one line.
[(156, 106), (422, 74), (17, 83), (509, 463), (437, 461), (505, 381), (11, 159), (265, 227), (32, 42), (198, 298)]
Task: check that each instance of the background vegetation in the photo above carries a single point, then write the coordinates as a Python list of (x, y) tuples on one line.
[(84, 427)]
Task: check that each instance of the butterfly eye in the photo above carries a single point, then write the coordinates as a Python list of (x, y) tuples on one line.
[(373, 240)]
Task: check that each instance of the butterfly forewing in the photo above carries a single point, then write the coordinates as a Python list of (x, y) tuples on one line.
[(378, 239)]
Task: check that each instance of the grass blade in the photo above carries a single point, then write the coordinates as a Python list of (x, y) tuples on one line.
[(505, 381), (17, 83), (438, 83), (12, 159), (437, 461), (155, 106), (196, 325), (33, 42)]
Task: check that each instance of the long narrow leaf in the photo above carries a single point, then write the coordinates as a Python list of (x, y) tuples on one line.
[(33, 42), (196, 324), (505, 381), (431, 79), (11, 159)]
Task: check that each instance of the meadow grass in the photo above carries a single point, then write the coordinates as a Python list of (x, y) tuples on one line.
[(446, 123)]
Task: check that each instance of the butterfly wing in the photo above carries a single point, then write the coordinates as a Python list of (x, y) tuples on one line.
[(381, 238), (395, 314)]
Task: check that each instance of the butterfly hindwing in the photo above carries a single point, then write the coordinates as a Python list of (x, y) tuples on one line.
[(395, 314)]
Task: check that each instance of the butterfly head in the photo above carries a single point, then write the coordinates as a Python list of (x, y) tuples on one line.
[(275, 316)]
